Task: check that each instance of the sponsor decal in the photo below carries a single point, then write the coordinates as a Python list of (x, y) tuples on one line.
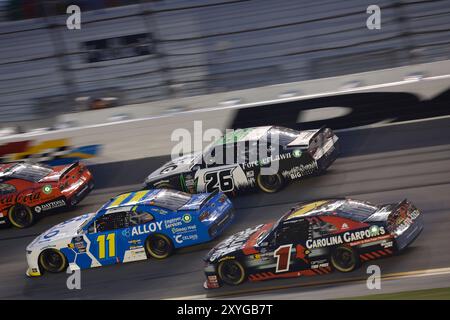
[(168, 169), (344, 226), (346, 237), (300, 171), (187, 218), (266, 161), (126, 233), (171, 223), (187, 229), (179, 238), (52, 205), (37, 209), (146, 228), (297, 153), (387, 244), (47, 189), (21, 198)]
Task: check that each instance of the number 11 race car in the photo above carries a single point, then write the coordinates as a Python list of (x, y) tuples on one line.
[(130, 227), (28, 191), (312, 239), (234, 162)]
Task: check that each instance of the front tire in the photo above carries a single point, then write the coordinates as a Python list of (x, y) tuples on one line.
[(21, 216), (158, 246), (231, 272), (53, 261), (344, 259), (270, 184)]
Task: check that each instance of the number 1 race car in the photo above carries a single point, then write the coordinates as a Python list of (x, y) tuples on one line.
[(312, 239), (233, 162), (130, 227), (27, 191)]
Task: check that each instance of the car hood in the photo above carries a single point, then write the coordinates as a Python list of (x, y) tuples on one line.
[(176, 166), (65, 230), (236, 243)]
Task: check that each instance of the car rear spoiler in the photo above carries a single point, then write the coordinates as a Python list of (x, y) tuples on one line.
[(69, 168), (200, 205), (305, 137)]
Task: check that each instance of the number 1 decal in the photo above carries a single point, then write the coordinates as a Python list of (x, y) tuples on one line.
[(283, 255)]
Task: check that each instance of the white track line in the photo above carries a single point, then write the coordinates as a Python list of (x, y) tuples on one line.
[(389, 276)]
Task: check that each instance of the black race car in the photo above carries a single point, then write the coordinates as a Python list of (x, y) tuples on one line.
[(312, 239), (262, 157)]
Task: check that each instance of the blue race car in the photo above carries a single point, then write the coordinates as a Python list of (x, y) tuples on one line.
[(130, 227)]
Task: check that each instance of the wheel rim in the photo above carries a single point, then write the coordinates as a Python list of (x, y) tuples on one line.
[(53, 261), (231, 273), (270, 183), (158, 247), (21, 216), (344, 259)]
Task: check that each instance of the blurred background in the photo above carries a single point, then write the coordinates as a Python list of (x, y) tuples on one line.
[(133, 52)]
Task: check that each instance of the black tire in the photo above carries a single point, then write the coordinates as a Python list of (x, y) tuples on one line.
[(231, 272), (344, 259), (21, 216), (270, 184), (53, 261), (158, 246)]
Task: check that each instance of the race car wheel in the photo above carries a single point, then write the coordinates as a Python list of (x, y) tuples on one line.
[(52, 260), (344, 259), (231, 272), (158, 246), (21, 216), (270, 184)]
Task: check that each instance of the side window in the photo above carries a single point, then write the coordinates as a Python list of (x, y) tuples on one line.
[(321, 228), (6, 188), (139, 216), (112, 221), (292, 232)]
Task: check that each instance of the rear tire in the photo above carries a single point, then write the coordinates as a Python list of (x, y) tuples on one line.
[(231, 272), (52, 260), (344, 259), (270, 184), (158, 246), (21, 216)]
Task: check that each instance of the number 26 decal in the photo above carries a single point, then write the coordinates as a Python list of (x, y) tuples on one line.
[(283, 255), (222, 180)]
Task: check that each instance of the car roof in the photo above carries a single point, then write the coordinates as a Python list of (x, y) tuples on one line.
[(132, 198), (341, 207), (144, 197), (246, 134)]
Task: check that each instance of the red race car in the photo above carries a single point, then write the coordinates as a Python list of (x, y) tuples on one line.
[(28, 190)]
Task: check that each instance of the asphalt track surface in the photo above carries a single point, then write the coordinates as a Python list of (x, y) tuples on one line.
[(381, 165)]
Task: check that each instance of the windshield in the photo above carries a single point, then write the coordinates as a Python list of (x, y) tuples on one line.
[(27, 171)]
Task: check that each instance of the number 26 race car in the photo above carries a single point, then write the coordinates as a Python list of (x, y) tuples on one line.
[(312, 239), (130, 227), (234, 161), (28, 191)]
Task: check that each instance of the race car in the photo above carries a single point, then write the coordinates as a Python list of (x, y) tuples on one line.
[(313, 238), (130, 227), (235, 161), (28, 191)]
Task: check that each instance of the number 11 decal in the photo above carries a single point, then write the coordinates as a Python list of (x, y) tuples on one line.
[(283, 255)]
